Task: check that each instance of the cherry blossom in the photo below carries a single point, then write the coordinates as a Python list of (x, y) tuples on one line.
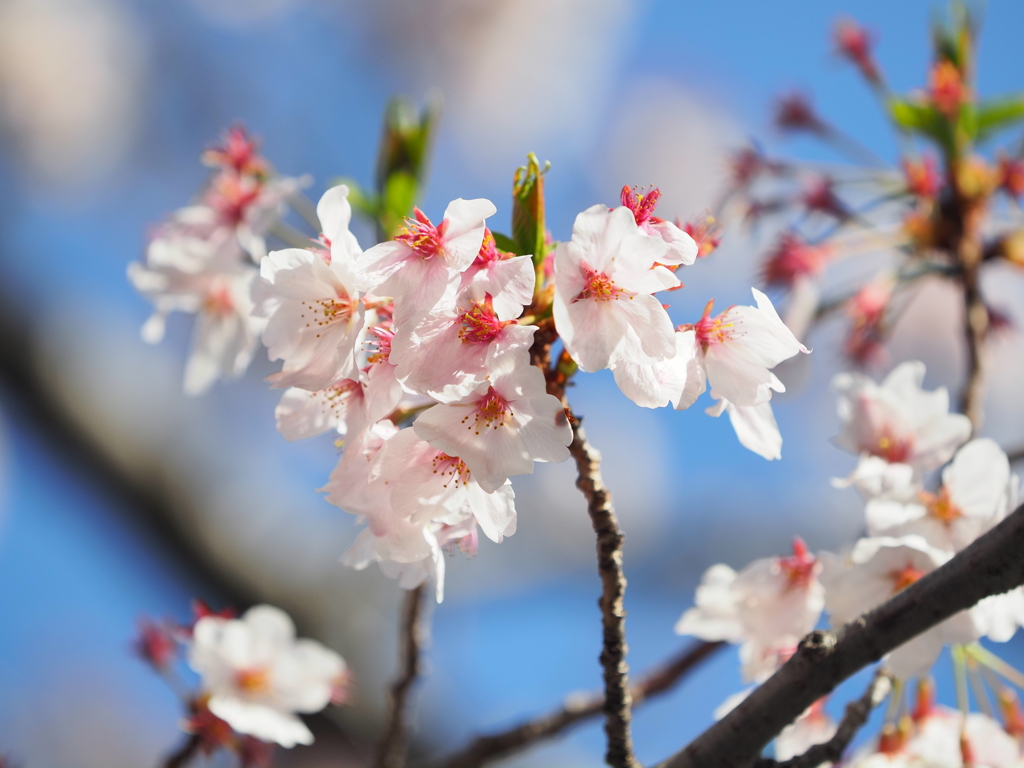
[(976, 493), (740, 346), (678, 380), (768, 606), (879, 568), (420, 267), (258, 676), (682, 250), (604, 280), (812, 727), (448, 353), (502, 428), (217, 290), (897, 421), (312, 304), (508, 279)]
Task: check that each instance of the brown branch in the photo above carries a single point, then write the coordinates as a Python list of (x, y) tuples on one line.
[(618, 698), (393, 746), (990, 565), (184, 754), (577, 709), (853, 720), (976, 322)]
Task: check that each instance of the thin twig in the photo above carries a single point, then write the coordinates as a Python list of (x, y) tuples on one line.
[(184, 754), (989, 566), (618, 698), (853, 720), (393, 746), (577, 709), (976, 322)]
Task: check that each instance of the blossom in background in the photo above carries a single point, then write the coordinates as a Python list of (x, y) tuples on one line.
[(812, 727), (604, 280), (420, 268), (879, 568), (768, 607), (976, 493), (897, 423), (258, 676), (502, 428)]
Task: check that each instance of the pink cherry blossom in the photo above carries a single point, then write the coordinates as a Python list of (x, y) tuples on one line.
[(604, 280), (682, 250), (814, 726), (897, 421), (257, 675), (421, 266), (502, 428), (508, 279), (679, 380), (768, 606), (448, 353), (755, 426), (740, 346)]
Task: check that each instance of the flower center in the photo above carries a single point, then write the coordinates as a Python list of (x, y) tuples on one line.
[(479, 324), (940, 506), (326, 312), (231, 197), (492, 411), (799, 568), (599, 287), (219, 301), (642, 205), (892, 448), (421, 235), (489, 252), (904, 577), (713, 330), (452, 466), (253, 681), (380, 346)]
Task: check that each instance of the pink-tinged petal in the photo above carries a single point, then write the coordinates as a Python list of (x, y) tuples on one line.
[(545, 429), (590, 226), (632, 264), (324, 354), (977, 478), (301, 414), (509, 282), (464, 230), (300, 275), (423, 285), (679, 380), (262, 722), (653, 336), (736, 378), (689, 353), (591, 331), (335, 214), (382, 392), (381, 262)]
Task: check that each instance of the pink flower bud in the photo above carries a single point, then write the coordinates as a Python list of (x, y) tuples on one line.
[(854, 43)]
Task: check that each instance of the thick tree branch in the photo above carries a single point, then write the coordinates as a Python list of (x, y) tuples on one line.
[(853, 720), (618, 697), (577, 709), (393, 746), (184, 754), (990, 565)]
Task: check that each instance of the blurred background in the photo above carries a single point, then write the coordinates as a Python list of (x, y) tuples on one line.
[(121, 497)]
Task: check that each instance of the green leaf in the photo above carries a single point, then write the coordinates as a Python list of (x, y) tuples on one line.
[(998, 113), (528, 229), (505, 243), (922, 118), (397, 200)]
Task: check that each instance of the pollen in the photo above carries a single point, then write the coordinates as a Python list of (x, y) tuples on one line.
[(904, 577), (480, 324), (323, 313), (422, 237), (491, 412), (891, 447), (600, 287), (940, 506), (451, 467), (253, 681), (714, 330)]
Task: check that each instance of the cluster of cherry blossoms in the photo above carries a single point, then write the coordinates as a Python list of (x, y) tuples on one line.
[(903, 435), (255, 678), (422, 351)]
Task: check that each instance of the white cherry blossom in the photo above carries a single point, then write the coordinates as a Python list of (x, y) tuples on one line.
[(258, 676), (768, 606), (604, 280), (421, 266), (448, 353), (214, 288), (740, 346), (814, 726), (879, 568), (975, 495), (897, 421), (502, 428), (678, 380), (507, 278)]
